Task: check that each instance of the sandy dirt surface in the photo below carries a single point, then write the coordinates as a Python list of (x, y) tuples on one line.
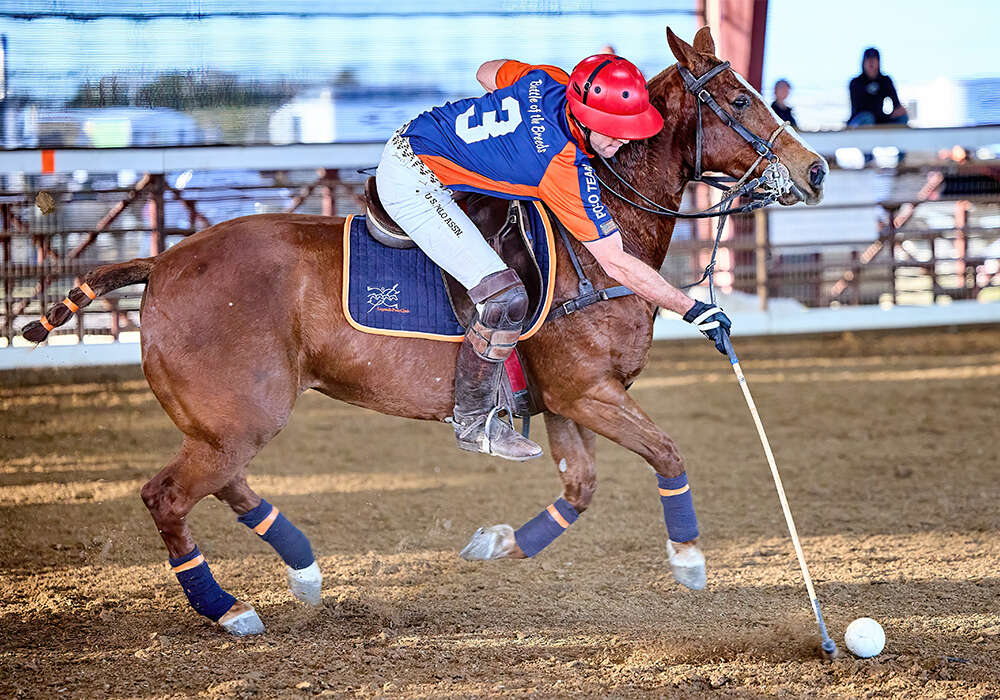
[(886, 443)]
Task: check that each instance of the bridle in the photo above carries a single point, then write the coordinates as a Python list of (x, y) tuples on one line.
[(763, 190), (696, 86)]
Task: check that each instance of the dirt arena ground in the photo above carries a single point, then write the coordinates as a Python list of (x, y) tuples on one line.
[(886, 443)]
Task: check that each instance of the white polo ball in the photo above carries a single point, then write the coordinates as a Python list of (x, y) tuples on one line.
[(865, 637)]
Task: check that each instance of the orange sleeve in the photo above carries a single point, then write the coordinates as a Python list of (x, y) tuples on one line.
[(512, 71), (563, 189)]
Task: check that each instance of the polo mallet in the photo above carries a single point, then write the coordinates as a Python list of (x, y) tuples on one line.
[(828, 645)]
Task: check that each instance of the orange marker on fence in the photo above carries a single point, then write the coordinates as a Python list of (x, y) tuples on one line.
[(48, 161)]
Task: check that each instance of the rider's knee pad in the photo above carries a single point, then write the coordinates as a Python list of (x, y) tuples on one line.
[(503, 304)]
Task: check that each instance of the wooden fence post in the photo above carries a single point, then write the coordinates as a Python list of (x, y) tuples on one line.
[(763, 249), (8, 274), (157, 243)]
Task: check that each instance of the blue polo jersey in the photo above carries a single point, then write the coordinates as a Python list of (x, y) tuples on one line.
[(518, 143)]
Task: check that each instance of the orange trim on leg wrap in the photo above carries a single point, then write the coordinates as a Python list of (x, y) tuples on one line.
[(266, 523), (557, 516), (85, 288), (70, 305), (45, 324), (188, 565)]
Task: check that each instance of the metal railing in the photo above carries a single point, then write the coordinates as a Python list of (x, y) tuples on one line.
[(911, 251), (45, 253), (943, 241)]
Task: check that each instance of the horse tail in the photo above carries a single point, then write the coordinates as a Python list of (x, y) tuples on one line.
[(97, 282)]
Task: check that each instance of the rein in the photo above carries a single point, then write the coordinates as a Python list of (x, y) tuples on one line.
[(762, 190), (773, 182)]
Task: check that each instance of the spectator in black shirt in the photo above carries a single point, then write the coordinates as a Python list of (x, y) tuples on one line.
[(868, 93), (781, 90)]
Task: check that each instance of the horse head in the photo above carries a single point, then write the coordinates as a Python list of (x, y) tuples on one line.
[(729, 148)]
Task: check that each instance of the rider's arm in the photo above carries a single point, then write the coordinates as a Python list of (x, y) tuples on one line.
[(571, 190), (494, 75), (637, 275), (487, 74)]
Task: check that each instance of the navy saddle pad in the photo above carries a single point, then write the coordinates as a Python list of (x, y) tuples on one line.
[(400, 292)]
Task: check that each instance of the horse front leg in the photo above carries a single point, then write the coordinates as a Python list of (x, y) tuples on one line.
[(572, 449), (607, 409)]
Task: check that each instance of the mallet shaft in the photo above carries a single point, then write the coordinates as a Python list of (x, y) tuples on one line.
[(829, 646), (777, 480)]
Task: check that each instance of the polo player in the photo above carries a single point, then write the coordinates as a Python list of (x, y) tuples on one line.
[(531, 137)]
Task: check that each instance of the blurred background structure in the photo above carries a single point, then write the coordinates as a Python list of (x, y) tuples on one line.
[(148, 121)]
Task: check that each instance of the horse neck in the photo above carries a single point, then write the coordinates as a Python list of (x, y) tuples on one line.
[(659, 168)]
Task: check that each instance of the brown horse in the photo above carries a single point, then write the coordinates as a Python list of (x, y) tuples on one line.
[(241, 318)]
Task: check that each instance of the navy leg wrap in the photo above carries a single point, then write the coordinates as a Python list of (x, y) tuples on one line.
[(204, 594), (275, 529), (538, 533), (678, 508)]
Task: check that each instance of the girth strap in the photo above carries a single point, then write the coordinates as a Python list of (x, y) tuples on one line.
[(587, 294)]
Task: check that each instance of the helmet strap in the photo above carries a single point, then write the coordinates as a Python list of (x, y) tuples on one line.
[(586, 131), (590, 80)]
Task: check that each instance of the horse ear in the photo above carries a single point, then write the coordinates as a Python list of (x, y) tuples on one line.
[(682, 51), (703, 41)]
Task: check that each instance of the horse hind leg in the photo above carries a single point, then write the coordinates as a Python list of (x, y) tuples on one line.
[(304, 577), (572, 448), (197, 471)]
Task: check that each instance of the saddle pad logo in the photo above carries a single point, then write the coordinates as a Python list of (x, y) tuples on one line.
[(384, 299)]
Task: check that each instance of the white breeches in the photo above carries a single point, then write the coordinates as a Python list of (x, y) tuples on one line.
[(426, 210)]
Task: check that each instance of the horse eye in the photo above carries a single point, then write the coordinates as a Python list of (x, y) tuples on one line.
[(741, 103)]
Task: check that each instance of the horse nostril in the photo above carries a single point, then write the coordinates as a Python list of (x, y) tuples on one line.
[(817, 172)]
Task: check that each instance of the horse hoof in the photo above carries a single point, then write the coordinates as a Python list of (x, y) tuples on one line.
[(306, 584), (688, 565), (490, 543), (241, 620)]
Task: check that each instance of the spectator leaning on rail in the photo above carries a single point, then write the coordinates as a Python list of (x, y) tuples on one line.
[(868, 92), (784, 112), (530, 137)]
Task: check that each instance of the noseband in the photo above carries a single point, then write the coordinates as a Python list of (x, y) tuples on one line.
[(772, 183)]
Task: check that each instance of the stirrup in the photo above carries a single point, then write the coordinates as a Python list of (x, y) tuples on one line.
[(486, 444), (509, 444)]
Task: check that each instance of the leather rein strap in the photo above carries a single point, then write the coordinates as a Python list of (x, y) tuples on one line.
[(745, 186)]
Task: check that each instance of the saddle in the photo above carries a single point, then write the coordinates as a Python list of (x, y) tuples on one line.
[(503, 225)]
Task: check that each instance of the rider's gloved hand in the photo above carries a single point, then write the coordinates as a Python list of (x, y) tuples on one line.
[(711, 321)]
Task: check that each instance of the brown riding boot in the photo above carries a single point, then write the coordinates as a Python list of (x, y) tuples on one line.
[(477, 427)]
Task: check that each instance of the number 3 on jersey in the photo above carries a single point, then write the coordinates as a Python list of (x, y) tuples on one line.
[(490, 126)]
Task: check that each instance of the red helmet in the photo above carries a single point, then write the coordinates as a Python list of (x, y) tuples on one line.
[(608, 94)]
